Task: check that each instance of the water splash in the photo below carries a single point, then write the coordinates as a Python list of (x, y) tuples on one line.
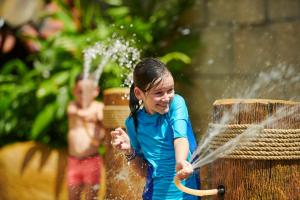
[(281, 76), (122, 175), (116, 50), (204, 156), (268, 83)]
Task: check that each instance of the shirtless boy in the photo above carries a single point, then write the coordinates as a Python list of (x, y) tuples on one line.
[(85, 133)]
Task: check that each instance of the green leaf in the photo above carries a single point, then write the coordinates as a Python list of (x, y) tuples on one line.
[(50, 86), (60, 78), (46, 88), (66, 42), (102, 149), (5, 102), (176, 56), (25, 87), (7, 87), (8, 78), (43, 119), (118, 11), (69, 24), (114, 2), (15, 65), (62, 99), (73, 73)]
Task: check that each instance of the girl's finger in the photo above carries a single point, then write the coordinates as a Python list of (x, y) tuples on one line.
[(117, 140), (119, 146), (114, 133), (121, 131), (116, 143)]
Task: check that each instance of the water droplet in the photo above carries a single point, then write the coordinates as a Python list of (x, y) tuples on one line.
[(185, 31), (210, 61)]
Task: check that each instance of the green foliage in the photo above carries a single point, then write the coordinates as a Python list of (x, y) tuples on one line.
[(35, 92)]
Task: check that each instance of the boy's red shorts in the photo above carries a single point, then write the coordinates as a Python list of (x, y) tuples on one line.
[(84, 170)]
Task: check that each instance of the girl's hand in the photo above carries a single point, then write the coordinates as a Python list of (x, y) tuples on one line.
[(120, 140), (183, 169)]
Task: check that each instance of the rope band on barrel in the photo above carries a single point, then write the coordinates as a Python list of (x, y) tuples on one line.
[(114, 116), (266, 144)]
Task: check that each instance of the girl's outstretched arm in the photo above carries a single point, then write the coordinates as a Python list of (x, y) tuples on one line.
[(183, 167), (121, 141)]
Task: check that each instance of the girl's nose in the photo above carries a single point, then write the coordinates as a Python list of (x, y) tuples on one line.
[(166, 97)]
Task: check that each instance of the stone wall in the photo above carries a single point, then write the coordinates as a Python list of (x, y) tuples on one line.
[(238, 40)]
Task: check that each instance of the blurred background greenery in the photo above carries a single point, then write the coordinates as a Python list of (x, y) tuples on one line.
[(41, 54)]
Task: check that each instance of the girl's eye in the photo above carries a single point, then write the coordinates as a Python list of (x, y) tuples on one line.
[(170, 91), (159, 93)]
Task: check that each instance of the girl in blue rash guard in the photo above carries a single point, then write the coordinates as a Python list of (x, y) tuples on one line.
[(160, 138)]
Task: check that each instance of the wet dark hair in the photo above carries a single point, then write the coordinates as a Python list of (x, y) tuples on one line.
[(147, 74)]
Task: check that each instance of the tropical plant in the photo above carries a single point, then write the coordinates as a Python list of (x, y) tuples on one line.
[(35, 91)]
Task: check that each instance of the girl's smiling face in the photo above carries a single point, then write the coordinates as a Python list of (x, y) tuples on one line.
[(158, 98)]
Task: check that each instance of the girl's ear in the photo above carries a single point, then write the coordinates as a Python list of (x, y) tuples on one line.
[(138, 93)]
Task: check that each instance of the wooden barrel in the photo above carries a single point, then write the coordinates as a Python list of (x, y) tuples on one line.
[(122, 182), (266, 166)]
